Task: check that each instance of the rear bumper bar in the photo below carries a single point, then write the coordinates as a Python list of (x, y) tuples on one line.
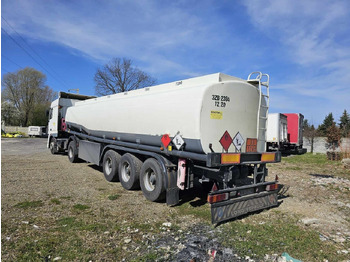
[(236, 207), (214, 159)]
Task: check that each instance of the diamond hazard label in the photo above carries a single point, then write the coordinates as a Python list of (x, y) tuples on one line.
[(226, 141), (165, 140), (178, 141), (238, 141)]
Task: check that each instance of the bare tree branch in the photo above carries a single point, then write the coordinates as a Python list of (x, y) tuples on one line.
[(119, 75)]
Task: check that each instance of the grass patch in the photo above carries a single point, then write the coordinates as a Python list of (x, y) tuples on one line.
[(152, 256), (145, 227), (200, 211), (295, 168), (55, 201), (113, 197), (81, 207), (66, 197), (307, 158), (29, 204), (313, 163), (68, 224), (280, 234)]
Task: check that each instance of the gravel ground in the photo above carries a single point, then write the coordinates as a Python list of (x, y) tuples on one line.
[(131, 227), (31, 173)]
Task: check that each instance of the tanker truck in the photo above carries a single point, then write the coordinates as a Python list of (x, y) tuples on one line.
[(209, 130)]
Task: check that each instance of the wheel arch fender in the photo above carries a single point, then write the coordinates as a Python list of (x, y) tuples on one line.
[(72, 138)]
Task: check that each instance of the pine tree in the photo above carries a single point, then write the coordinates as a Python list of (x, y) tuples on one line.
[(344, 124), (327, 123)]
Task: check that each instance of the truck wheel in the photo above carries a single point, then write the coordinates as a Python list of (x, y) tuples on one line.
[(110, 166), (129, 171), (72, 152), (151, 180), (53, 148)]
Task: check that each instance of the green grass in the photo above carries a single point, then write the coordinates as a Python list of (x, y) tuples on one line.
[(66, 197), (113, 197), (55, 201), (29, 204), (280, 234), (200, 211), (313, 164), (73, 224), (295, 168), (308, 158), (152, 256), (81, 207), (29, 244)]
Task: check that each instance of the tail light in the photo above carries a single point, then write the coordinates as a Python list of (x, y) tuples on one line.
[(272, 187), (218, 198)]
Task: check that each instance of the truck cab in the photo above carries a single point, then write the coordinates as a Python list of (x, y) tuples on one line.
[(56, 125)]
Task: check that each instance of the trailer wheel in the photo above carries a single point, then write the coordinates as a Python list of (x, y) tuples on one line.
[(110, 166), (129, 171), (72, 152), (151, 180)]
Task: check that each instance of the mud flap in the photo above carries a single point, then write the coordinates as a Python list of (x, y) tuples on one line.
[(232, 208), (172, 196)]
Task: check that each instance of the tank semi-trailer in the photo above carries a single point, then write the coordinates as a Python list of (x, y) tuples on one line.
[(161, 138)]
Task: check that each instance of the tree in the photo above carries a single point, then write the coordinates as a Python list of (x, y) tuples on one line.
[(119, 75), (344, 124), (310, 132), (327, 123), (333, 136), (9, 114), (25, 90)]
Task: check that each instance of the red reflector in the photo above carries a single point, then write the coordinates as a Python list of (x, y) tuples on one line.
[(217, 198), (272, 187), (214, 188)]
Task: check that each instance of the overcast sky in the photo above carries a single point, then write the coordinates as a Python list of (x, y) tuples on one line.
[(303, 45)]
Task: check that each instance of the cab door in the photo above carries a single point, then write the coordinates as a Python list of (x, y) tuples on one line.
[(53, 119)]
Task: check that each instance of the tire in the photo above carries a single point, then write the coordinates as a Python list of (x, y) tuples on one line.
[(151, 180), (129, 171), (53, 148), (110, 166), (73, 152)]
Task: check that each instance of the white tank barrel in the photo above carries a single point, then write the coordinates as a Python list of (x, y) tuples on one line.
[(199, 109)]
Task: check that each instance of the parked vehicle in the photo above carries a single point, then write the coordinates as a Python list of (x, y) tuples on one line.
[(277, 132), (295, 132), (37, 131), (161, 138)]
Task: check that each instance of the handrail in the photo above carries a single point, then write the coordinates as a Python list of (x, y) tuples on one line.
[(259, 78)]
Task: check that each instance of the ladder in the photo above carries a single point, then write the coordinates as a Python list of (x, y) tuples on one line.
[(263, 109)]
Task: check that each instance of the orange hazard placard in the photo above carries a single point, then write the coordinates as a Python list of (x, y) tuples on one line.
[(251, 145)]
